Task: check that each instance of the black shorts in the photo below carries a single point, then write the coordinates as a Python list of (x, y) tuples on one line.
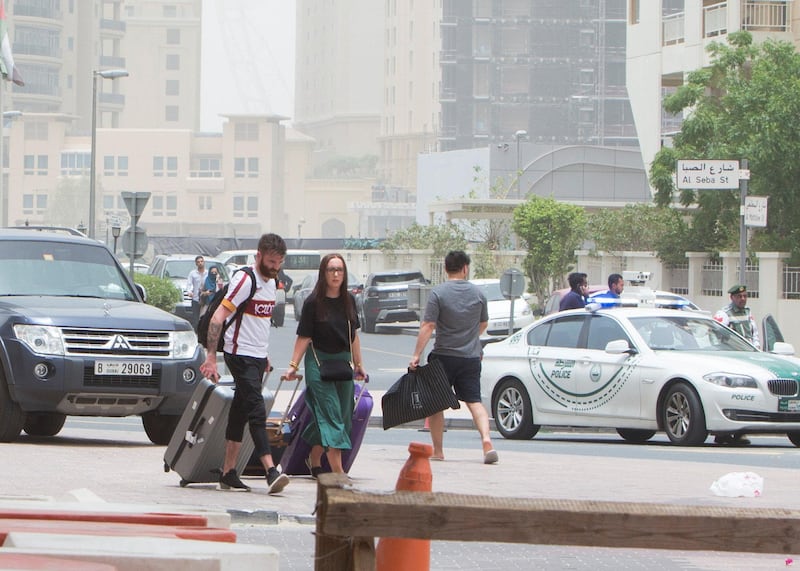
[(464, 374)]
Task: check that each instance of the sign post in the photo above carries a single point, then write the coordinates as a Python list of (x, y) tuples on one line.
[(712, 174), (134, 241), (512, 285)]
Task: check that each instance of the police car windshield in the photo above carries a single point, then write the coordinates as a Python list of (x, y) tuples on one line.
[(679, 333)]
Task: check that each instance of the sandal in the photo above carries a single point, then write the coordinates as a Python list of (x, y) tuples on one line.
[(315, 470)]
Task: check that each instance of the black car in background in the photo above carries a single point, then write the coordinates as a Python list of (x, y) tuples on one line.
[(76, 339), (385, 298)]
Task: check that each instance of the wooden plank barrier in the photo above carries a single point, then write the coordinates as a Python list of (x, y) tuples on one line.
[(348, 521)]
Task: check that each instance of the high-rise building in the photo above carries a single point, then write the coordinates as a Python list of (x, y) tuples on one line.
[(58, 45), (667, 39), (554, 69)]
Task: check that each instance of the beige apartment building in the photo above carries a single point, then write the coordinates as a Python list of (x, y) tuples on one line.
[(666, 39)]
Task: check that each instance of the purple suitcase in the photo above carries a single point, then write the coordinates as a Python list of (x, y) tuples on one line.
[(293, 460)]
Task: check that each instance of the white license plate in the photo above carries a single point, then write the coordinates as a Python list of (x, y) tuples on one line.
[(123, 368), (501, 325), (395, 294)]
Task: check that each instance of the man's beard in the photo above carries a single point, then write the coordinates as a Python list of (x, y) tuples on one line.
[(268, 273)]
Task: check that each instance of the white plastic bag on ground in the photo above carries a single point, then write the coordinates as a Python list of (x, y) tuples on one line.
[(739, 485)]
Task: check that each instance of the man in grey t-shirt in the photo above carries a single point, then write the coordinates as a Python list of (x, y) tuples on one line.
[(459, 313)]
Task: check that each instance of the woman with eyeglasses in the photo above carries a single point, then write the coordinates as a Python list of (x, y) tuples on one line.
[(328, 330)]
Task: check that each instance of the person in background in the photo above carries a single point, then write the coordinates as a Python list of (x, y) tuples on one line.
[(212, 285), (459, 313), (194, 284), (576, 296), (246, 350), (737, 316), (616, 285), (328, 330)]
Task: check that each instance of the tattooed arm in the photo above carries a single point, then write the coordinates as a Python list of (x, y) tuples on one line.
[(209, 366)]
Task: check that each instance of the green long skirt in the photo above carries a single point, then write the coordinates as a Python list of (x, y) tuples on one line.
[(331, 405)]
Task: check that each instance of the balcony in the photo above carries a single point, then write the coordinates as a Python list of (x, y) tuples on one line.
[(766, 16), (112, 25), (672, 29), (111, 99), (112, 62), (715, 20)]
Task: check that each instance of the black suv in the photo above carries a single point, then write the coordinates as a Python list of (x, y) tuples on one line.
[(385, 298), (77, 339)]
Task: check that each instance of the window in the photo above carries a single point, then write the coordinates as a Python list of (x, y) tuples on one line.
[(565, 332), (165, 166), (165, 205), (34, 203), (173, 36), (603, 330), (245, 132), (634, 12), (115, 166), (245, 206), (172, 87), (170, 11), (171, 113), (75, 163), (206, 167), (173, 62), (35, 164), (245, 167), (204, 203)]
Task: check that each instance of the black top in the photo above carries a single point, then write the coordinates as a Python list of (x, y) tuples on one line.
[(330, 335)]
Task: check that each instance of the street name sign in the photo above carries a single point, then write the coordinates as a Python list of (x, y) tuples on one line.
[(707, 174)]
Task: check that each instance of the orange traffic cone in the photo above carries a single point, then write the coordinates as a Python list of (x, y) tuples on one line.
[(427, 426), (401, 554)]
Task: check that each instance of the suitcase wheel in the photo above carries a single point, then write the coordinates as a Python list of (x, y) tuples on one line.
[(185, 483), (166, 467)]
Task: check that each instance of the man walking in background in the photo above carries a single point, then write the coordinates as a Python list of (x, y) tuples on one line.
[(459, 313), (194, 284)]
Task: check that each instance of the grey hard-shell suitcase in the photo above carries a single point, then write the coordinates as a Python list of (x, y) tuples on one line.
[(197, 448)]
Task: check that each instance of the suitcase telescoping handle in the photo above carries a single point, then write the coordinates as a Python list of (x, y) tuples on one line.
[(291, 399), (361, 392)]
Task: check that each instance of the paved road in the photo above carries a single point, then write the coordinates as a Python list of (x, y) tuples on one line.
[(91, 462)]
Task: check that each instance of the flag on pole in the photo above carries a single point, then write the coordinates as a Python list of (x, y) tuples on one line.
[(7, 66)]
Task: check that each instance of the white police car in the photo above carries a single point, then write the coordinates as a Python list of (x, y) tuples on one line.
[(641, 370)]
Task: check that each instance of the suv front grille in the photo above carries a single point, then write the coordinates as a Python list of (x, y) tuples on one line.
[(782, 387), (117, 343)]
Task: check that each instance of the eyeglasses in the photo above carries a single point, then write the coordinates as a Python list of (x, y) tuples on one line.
[(335, 270)]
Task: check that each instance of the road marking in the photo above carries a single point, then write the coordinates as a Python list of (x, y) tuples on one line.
[(87, 496)]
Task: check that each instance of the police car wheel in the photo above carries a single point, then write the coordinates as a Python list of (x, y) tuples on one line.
[(512, 411), (636, 435), (682, 416)]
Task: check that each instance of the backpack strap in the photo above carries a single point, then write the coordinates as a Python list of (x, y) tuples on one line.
[(239, 313)]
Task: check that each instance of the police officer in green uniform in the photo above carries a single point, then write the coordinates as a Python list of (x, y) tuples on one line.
[(737, 316)]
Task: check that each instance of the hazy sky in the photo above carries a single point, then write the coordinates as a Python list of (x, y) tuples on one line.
[(247, 59)]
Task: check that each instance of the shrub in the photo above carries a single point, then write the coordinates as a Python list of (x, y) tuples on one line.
[(161, 292)]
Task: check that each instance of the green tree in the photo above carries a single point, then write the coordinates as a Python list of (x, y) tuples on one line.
[(642, 228), (743, 106), (551, 232), (440, 237), (69, 204)]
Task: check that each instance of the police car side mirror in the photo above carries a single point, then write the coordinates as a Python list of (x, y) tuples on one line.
[(781, 348), (619, 346)]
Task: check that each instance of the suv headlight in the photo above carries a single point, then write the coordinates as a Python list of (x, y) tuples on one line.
[(183, 344), (731, 380), (41, 339)]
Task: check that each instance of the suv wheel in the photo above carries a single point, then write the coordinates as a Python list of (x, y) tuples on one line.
[(12, 417), (159, 427), (44, 423)]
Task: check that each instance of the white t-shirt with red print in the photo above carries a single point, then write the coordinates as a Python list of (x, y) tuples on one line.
[(250, 336)]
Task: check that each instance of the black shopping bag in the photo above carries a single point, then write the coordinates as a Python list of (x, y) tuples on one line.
[(418, 394)]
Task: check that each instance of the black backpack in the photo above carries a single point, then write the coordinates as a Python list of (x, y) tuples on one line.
[(213, 303)]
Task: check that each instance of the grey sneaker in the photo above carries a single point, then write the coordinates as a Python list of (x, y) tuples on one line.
[(230, 480), (276, 481)]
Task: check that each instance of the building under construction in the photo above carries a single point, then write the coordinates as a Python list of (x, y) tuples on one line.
[(548, 71)]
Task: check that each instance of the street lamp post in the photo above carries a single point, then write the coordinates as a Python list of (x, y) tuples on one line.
[(10, 115), (106, 74), (521, 134), (115, 233)]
